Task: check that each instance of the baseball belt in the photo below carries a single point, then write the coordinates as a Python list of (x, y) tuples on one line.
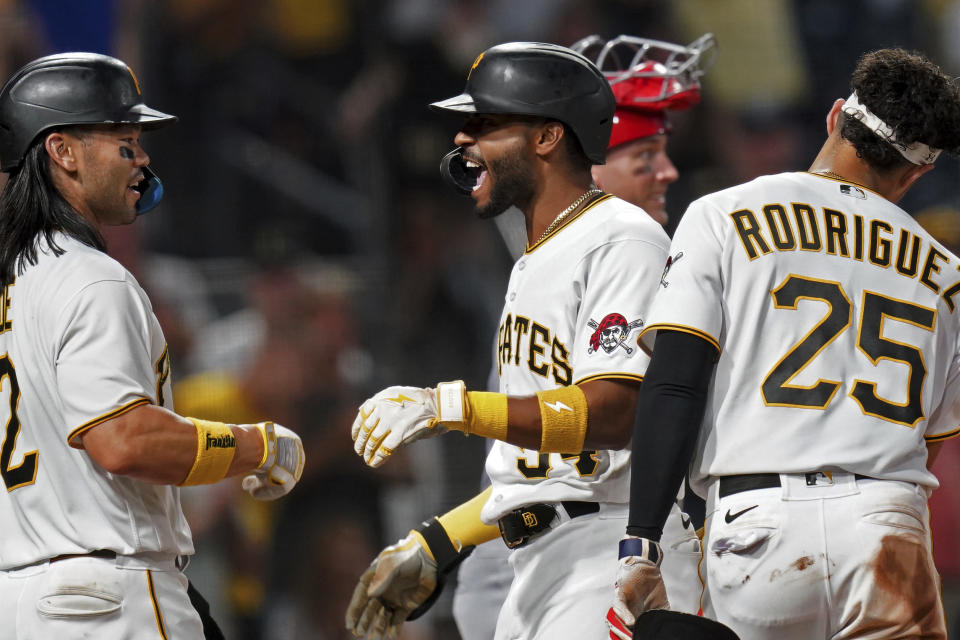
[(97, 553), (521, 525), (730, 485)]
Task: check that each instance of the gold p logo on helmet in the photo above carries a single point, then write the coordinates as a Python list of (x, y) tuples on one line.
[(475, 63)]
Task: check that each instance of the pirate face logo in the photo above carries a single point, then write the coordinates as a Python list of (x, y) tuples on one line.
[(611, 332)]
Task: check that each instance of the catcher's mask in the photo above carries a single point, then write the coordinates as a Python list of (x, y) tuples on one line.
[(648, 77), (74, 89)]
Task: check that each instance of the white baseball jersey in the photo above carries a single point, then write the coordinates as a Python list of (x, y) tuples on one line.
[(835, 316), (574, 306), (79, 344)]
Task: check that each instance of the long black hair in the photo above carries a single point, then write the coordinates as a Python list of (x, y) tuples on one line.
[(30, 205)]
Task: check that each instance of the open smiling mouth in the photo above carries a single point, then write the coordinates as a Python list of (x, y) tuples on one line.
[(140, 186), (466, 175)]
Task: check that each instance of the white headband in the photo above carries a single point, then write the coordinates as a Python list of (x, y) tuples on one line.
[(917, 153)]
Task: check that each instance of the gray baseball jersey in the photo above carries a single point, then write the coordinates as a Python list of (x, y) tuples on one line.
[(79, 344)]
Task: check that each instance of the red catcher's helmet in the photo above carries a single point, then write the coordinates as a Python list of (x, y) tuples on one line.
[(648, 77)]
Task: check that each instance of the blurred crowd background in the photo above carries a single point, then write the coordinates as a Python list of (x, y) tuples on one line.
[(307, 253)]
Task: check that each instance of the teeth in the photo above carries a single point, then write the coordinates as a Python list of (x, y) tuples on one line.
[(471, 164)]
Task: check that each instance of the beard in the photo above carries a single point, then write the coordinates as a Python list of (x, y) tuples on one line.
[(513, 185)]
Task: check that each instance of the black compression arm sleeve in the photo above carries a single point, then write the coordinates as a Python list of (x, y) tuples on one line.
[(669, 411)]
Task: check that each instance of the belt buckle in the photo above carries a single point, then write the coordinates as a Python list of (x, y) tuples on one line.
[(512, 543), (529, 520)]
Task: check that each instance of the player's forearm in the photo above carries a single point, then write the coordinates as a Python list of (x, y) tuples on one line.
[(609, 410), (155, 445), (669, 412)]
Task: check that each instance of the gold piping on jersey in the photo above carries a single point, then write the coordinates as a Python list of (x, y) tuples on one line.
[(613, 375), (681, 328), (842, 181), (103, 418), (590, 205), (940, 437), (156, 605)]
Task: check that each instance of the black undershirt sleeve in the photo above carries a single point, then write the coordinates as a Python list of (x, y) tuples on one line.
[(669, 411)]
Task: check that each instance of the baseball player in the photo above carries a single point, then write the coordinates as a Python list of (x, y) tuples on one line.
[(568, 363), (807, 357), (92, 454), (648, 78)]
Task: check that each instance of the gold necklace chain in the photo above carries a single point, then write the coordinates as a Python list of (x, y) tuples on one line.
[(565, 213)]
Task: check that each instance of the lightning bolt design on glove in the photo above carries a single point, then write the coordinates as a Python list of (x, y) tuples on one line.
[(392, 418)]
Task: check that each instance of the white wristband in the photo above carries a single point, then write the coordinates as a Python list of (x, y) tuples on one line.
[(450, 401)]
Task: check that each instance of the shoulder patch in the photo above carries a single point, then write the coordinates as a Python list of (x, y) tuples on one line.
[(611, 333)]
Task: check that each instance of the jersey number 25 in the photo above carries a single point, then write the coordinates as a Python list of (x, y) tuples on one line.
[(876, 308)]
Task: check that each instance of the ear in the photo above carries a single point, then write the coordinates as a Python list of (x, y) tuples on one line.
[(910, 176), (549, 137), (596, 172), (63, 150), (834, 114)]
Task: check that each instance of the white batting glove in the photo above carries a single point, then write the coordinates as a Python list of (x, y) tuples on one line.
[(394, 417), (281, 468), (398, 581), (639, 587)]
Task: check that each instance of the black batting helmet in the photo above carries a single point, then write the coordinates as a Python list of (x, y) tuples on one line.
[(68, 89), (537, 79)]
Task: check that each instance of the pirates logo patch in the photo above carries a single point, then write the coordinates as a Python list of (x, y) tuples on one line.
[(611, 332)]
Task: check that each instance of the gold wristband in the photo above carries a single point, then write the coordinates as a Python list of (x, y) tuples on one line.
[(563, 419), (487, 414), (216, 446), (481, 413)]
